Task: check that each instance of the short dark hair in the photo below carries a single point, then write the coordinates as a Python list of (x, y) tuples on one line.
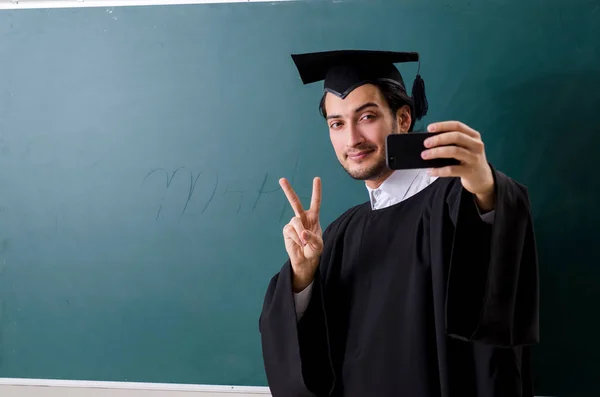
[(393, 94)]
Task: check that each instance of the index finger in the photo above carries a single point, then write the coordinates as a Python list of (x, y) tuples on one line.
[(315, 202), (446, 126), (292, 197)]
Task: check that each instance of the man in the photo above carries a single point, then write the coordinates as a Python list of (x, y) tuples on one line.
[(428, 289)]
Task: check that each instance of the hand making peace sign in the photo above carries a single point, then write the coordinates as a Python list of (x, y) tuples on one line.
[(303, 235)]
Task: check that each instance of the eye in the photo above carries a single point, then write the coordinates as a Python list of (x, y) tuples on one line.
[(367, 117), (335, 125)]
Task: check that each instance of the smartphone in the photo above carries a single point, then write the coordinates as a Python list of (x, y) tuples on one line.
[(403, 151)]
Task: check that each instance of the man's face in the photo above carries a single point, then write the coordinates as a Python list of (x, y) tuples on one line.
[(358, 126)]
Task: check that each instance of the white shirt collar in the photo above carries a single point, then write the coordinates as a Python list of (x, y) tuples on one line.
[(399, 186)]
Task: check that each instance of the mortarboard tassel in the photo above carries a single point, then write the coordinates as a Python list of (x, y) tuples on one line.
[(419, 98)]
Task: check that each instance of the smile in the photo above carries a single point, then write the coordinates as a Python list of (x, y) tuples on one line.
[(359, 155)]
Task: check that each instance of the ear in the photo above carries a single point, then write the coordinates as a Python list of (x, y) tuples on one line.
[(403, 119)]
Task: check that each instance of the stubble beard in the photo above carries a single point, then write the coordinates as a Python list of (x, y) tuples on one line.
[(375, 171)]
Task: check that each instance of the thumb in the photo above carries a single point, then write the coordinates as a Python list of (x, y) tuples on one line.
[(315, 242)]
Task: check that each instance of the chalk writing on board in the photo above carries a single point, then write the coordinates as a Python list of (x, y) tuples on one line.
[(212, 196), (167, 179), (268, 185), (191, 189), (262, 191), (266, 189)]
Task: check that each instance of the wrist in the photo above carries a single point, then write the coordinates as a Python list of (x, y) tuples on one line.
[(300, 284), (301, 280), (486, 197), (485, 201)]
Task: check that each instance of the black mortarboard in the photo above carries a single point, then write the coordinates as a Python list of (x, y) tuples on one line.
[(343, 71)]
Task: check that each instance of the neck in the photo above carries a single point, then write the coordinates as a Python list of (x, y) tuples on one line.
[(376, 182)]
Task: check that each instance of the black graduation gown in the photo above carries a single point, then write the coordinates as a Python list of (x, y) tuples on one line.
[(420, 299)]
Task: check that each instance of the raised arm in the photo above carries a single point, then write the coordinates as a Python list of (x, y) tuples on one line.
[(296, 353), (492, 289)]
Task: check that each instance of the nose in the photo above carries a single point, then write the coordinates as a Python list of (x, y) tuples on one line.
[(355, 137)]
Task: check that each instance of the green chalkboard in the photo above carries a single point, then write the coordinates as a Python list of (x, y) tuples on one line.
[(140, 216)]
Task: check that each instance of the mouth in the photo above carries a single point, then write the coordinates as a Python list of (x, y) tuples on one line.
[(360, 155)]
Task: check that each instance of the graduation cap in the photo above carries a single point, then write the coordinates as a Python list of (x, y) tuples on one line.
[(345, 70)]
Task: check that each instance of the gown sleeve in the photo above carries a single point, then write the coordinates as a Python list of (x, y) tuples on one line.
[(296, 353), (492, 293)]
